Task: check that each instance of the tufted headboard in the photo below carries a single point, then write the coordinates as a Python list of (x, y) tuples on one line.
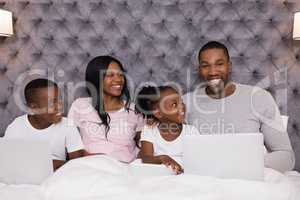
[(157, 40)]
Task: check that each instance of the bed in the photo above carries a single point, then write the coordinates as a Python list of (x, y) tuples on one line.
[(101, 177)]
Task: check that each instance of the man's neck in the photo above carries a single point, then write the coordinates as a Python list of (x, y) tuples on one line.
[(226, 91), (38, 122)]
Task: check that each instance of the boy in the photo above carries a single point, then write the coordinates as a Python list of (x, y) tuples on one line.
[(45, 122)]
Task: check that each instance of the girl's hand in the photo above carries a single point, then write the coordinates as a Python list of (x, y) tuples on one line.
[(169, 162)]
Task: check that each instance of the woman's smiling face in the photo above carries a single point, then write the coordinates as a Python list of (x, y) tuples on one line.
[(114, 80)]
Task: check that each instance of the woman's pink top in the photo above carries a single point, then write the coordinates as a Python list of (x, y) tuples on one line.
[(119, 142)]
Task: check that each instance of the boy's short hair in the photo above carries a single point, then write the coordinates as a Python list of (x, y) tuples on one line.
[(214, 45), (35, 84)]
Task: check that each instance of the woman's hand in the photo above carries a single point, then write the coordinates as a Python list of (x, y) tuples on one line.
[(169, 162)]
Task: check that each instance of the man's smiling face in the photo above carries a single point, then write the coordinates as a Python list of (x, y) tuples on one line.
[(214, 66)]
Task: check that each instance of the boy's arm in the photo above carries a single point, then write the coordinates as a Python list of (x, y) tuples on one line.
[(57, 164), (76, 154), (74, 145)]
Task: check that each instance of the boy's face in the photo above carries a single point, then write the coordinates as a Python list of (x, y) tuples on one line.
[(171, 107), (47, 104)]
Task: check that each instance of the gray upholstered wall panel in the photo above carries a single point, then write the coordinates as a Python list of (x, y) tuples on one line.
[(157, 40)]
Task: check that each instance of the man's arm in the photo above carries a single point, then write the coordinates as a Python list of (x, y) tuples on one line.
[(281, 160), (280, 154)]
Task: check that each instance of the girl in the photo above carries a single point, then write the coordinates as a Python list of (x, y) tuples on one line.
[(162, 142), (107, 121)]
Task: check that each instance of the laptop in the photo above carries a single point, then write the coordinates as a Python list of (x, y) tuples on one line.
[(234, 156), (24, 161)]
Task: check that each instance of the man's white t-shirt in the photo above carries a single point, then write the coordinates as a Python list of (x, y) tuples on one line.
[(62, 137), (164, 147)]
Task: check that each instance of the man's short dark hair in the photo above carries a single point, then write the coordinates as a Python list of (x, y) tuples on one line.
[(214, 45), (35, 84)]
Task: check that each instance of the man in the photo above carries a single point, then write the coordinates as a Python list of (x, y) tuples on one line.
[(222, 106), (45, 122)]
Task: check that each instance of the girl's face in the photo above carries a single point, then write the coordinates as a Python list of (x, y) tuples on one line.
[(171, 107), (114, 80)]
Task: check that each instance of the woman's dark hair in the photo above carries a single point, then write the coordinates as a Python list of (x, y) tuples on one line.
[(95, 73), (148, 97)]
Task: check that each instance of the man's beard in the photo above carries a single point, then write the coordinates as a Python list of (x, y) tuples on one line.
[(216, 85)]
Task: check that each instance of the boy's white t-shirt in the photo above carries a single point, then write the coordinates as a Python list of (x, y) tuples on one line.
[(62, 137), (164, 147)]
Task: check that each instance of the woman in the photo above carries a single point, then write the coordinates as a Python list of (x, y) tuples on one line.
[(107, 121)]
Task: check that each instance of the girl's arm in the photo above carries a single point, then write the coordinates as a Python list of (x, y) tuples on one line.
[(147, 154), (148, 157)]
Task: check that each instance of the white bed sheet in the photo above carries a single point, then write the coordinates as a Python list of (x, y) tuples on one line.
[(100, 177), (294, 176), (21, 192)]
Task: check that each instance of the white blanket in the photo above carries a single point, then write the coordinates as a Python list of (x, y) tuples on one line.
[(21, 192), (100, 177)]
